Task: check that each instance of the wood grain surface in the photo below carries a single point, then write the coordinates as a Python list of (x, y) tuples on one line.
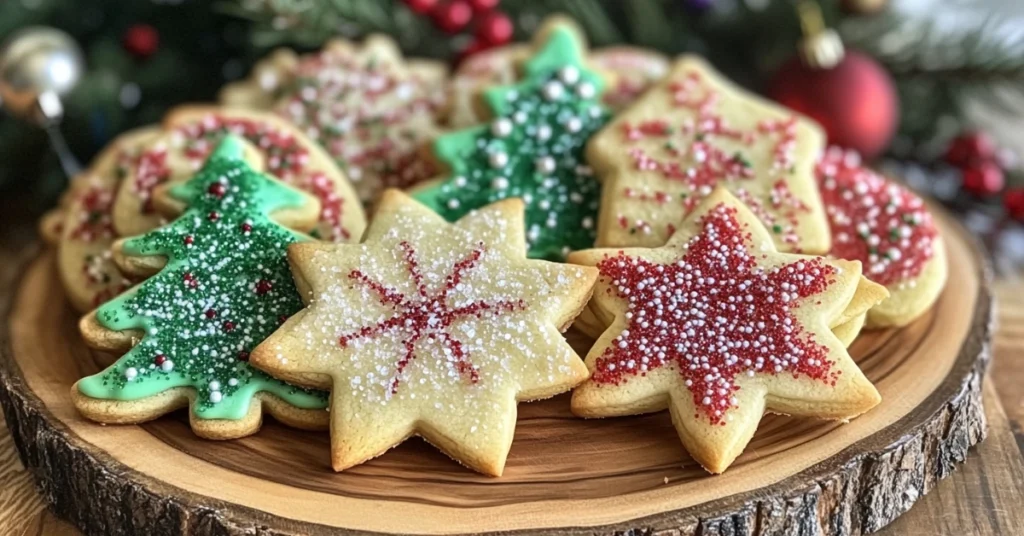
[(650, 465)]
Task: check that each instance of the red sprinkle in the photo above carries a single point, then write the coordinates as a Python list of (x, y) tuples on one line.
[(246, 227), (263, 286), (213, 216), (217, 189), (159, 359), (189, 240), (243, 355), (714, 314), (211, 313), (229, 326)]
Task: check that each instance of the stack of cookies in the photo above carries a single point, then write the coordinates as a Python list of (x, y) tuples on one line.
[(721, 258)]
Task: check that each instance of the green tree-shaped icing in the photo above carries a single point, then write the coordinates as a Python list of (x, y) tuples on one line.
[(225, 288), (533, 149)]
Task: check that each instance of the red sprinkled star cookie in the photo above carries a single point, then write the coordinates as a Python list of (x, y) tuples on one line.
[(695, 130), (888, 229), (431, 329), (719, 327)]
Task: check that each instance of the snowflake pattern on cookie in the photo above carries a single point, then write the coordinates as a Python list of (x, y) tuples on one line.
[(691, 132), (225, 287), (532, 149), (430, 328), (372, 115), (715, 325)]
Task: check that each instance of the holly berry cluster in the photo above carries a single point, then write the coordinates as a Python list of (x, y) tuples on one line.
[(976, 155), (491, 27)]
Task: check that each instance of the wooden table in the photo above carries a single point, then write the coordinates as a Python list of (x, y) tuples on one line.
[(984, 497)]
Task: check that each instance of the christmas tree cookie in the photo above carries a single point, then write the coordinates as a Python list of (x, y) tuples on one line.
[(888, 229), (190, 133), (431, 329), (223, 285), (369, 110), (532, 149), (719, 327), (693, 131), (84, 259)]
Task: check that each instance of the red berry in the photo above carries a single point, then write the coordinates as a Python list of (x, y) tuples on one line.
[(243, 356), (483, 6), (1013, 200), (453, 16), (263, 286), (141, 41), (970, 147), (421, 6), (246, 227), (189, 240), (213, 216), (983, 178), (210, 313), (159, 359), (495, 29), (229, 326), (217, 189)]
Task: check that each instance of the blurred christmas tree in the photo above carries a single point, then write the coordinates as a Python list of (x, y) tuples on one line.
[(955, 64)]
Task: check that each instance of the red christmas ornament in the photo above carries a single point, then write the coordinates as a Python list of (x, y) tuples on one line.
[(494, 29), (453, 16), (983, 178), (483, 6), (421, 6), (855, 101), (970, 147), (1013, 200), (141, 41)]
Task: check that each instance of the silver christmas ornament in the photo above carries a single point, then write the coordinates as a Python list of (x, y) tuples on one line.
[(38, 66)]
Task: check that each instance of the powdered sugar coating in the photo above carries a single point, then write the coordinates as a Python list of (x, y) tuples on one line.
[(436, 315)]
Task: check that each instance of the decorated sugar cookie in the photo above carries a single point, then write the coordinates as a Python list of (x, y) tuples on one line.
[(369, 110), (532, 149), (888, 229), (477, 73), (718, 327), (84, 258), (432, 329), (630, 71), (223, 287), (693, 131), (277, 74), (189, 135)]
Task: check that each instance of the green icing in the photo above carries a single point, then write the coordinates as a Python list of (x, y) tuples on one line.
[(534, 149), (225, 288)]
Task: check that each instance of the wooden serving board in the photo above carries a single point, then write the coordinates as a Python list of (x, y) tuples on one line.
[(564, 475)]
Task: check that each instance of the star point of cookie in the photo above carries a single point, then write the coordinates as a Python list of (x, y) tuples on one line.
[(430, 328), (691, 132), (719, 327)]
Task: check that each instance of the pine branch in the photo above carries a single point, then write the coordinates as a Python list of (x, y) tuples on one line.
[(981, 41)]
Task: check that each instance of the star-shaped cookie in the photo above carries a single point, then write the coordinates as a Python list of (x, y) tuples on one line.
[(430, 329), (719, 327), (693, 131), (889, 229)]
